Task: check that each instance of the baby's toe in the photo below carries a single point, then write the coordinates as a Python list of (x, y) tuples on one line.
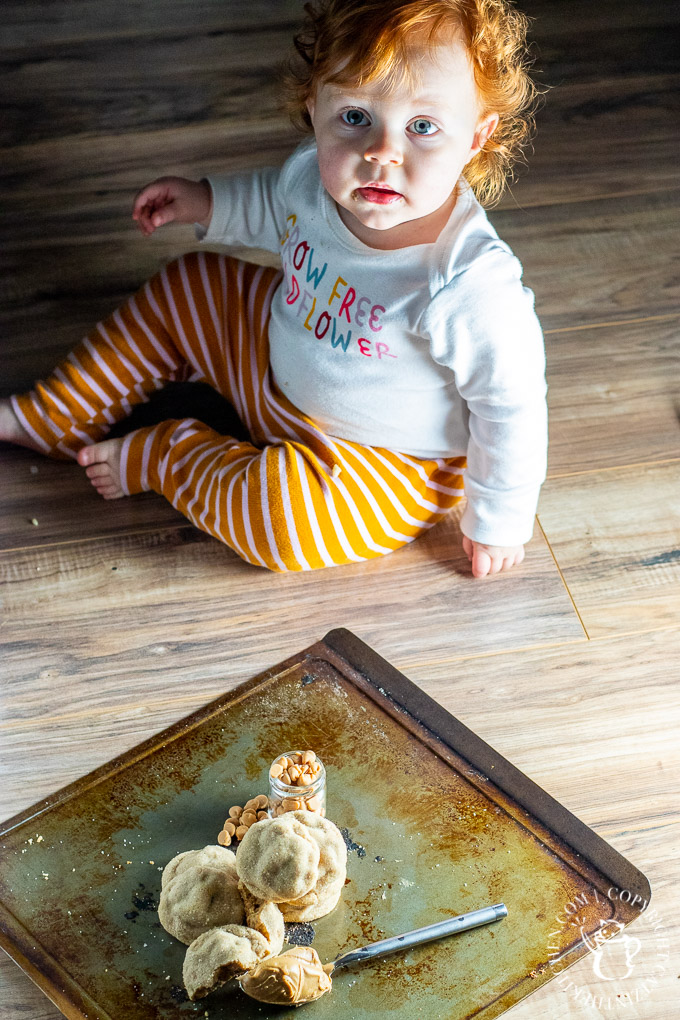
[(98, 471), (108, 489), (98, 453)]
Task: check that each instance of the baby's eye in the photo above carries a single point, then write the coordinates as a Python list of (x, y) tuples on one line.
[(421, 126), (355, 118)]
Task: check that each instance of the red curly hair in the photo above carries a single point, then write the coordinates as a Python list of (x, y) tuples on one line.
[(354, 42)]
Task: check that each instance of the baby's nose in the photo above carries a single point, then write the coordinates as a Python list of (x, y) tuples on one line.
[(384, 148)]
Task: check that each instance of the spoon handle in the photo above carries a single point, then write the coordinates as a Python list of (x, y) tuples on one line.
[(452, 925)]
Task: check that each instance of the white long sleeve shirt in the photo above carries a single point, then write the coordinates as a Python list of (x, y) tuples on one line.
[(433, 350)]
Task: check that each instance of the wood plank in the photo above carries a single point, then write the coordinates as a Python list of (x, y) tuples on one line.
[(55, 22), (613, 395), (561, 23), (41, 319), (584, 703), (40, 331), (84, 220), (610, 137), (87, 267), (589, 124), (56, 597), (21, 998), (608, 120), (53, 300), (116, 84), (58, 495), (621, 144), (98, 167), (605, 42), (599, 261), (27, 23), (574, 48), (615, 536)]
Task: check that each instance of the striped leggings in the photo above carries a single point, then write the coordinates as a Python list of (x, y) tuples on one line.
[(291, 498)]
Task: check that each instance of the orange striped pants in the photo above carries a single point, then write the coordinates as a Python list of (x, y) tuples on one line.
[(294, 497)]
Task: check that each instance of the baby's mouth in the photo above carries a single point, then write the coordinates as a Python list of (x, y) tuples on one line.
[(379, 194)]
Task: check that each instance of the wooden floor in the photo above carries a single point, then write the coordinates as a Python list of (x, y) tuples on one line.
[(119, 618)]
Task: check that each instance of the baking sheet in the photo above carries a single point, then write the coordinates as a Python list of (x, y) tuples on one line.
[(436, 824)]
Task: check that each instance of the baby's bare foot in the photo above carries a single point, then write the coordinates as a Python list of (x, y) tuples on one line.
[(11, 429), (102, 466)]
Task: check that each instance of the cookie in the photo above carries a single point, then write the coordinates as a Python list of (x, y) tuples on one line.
[(278, 859), (264, 917), (211, 856), (198, 899), (332, 871), (220, 955)]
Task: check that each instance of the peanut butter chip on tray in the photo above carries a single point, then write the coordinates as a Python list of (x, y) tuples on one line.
[(241, 818)]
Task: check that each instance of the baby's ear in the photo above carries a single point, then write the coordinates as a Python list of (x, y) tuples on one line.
[(485, 129)]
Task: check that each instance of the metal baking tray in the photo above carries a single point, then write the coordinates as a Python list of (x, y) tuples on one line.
[(436, 822)]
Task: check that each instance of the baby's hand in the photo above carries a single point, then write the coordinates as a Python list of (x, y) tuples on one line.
[(171, 199), (491, 559)]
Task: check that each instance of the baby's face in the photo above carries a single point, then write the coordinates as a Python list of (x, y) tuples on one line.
[(391, 159)]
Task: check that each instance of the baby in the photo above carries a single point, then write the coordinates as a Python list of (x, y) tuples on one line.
[(394, 363)]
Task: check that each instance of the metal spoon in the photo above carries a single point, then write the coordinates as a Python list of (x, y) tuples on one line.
[(269, 983), (451, 926)]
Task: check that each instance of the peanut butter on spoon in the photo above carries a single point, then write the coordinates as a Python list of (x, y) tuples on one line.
[(291, 979)]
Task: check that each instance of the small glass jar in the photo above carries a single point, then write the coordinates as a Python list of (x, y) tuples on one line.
[(310, 796)]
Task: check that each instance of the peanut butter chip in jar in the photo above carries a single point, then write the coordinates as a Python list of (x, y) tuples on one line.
[(297, 782)]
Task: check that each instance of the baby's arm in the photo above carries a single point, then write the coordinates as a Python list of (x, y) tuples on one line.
[(169, 199), (491, 559), (483, 326)]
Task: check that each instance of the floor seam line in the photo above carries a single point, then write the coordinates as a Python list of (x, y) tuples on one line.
[(562, 577)]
